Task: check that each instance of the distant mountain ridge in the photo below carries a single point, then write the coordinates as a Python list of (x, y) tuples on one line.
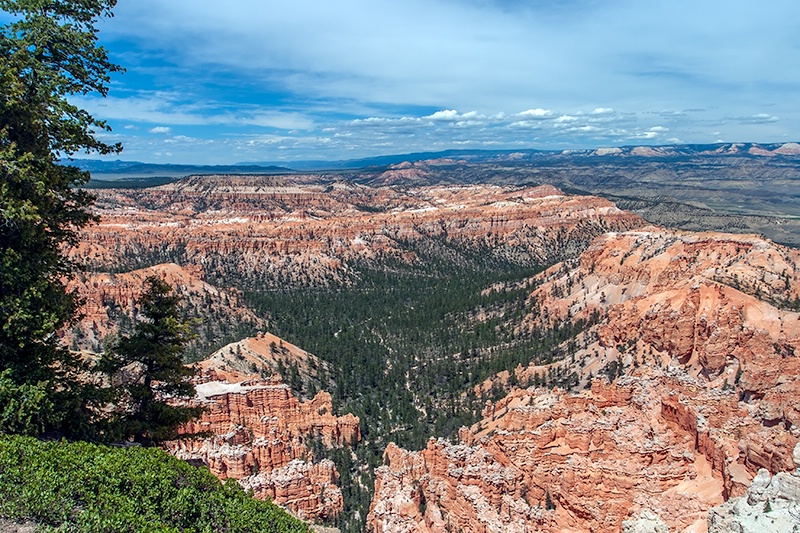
[(120, 169)]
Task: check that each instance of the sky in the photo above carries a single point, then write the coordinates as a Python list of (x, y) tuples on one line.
[(212, 82)]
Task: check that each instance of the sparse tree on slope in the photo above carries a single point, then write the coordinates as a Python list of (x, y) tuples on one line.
[(152, 357), (48, 52)]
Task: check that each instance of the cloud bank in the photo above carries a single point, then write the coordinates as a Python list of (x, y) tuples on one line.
[(268, 80)]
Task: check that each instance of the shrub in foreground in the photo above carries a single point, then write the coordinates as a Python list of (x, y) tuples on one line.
[(86, 487)]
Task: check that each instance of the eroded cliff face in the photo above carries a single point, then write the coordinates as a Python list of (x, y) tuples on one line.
[(558, 461), (722, 307), (703, 333), (110, 303), (272, 232), (259, 432), (771, 503)]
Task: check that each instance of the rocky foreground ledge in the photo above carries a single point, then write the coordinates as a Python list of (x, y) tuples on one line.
[(258, 433)]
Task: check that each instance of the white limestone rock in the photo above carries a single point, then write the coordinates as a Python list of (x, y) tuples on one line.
[(770, 505), (647, 522)]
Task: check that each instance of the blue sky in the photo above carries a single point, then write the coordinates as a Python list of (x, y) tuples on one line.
[(212, 82)]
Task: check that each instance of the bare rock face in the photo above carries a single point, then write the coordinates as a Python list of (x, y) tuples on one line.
[(771, 503), (724, 308), (646, 522), (110, 302), (276, 232), (309, 489), (558, 461), (701, 336), (259, 431), (716, 304)]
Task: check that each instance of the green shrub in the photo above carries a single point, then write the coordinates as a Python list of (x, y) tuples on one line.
[(24, 408), (86, 487)]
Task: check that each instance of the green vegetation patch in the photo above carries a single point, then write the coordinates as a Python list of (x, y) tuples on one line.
[(87, 487)]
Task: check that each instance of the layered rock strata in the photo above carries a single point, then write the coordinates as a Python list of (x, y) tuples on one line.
[(559, 461), (273, 232), (259, 432), (771, 503), (722, 307), (701, 335)]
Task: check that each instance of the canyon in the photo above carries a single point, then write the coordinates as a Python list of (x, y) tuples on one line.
[(701, 332), (668, 382), (109, 305), (273, 232)]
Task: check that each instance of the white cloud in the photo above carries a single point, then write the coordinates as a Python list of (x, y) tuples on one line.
[(527, 124), (565, 119), (488, 55), (348, 78), (160, 130), (760, 118), (287, 121), (538, 113), (445, 115)]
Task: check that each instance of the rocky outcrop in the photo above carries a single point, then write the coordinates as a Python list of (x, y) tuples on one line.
[(771, 503), (109, 304), (700, 335), (558, 461), (275, 232), (264, 355), (722, 307), (309, 489), (259, 433), (646, 522), (654, 448)]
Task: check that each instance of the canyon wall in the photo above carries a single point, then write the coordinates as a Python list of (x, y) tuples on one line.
[(109, 304), (275, 233), (701, 336), (255, 430)]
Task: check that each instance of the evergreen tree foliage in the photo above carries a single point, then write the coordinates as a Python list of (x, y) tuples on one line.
[(48, 52), (548, 501), (149, 365)]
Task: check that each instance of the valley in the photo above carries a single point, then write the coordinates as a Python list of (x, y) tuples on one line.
[(564, 302), (456, 352)]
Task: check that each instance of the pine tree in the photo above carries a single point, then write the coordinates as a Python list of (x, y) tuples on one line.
[(548, 502), (149, 365), (47, 52)]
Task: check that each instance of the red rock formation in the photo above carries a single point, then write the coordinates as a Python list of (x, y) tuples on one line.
[(110, 298), (705, 329), (283, 233), (654, 440), (723, 307), (259, 432)]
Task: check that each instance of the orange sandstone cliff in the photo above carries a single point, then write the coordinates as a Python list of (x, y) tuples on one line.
[(109, 302), (274, 232), (701, 335), (258, 432)]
